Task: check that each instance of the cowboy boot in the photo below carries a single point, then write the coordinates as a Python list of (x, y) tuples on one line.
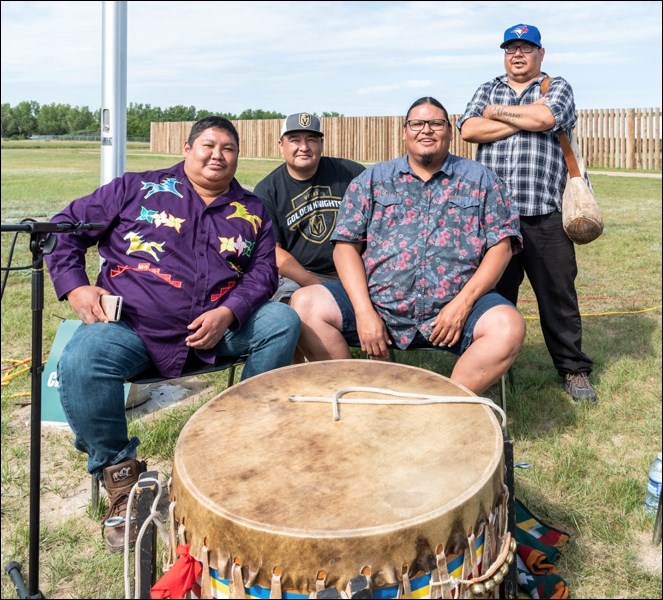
[(118, 481)]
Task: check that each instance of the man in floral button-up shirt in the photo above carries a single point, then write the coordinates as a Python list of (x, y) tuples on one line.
[(420, 243)]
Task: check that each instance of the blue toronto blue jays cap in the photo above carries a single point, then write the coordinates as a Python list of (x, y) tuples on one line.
[(524, 33), (301, 122)]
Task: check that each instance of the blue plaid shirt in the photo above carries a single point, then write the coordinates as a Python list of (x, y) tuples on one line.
[(531, 164)]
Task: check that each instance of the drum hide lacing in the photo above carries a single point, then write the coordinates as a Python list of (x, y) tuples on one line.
[(414, 399)]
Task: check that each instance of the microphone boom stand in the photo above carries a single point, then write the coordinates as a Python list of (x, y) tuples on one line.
[(41, 243)]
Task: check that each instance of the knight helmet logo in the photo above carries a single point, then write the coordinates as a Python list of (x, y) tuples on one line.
[(304, 120)]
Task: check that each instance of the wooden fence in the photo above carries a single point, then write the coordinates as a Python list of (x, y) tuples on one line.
[(609, 138)]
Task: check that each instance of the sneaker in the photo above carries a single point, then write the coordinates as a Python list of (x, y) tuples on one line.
[(118, 481), (578, 387)]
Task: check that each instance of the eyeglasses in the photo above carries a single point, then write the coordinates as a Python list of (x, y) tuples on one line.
[(524, 48), (434, 124)]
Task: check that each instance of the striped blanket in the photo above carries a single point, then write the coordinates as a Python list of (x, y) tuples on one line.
[(539, 548)]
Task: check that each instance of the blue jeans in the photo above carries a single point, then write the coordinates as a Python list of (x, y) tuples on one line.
[(481, 306), (99, 358)]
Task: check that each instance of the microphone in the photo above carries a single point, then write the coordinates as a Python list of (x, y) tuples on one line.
[(80, 226), (50, 227)]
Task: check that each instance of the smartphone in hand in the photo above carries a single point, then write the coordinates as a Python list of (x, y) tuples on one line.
[(112, 306)]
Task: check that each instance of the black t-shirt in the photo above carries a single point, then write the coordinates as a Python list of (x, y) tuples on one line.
[(304, 213)]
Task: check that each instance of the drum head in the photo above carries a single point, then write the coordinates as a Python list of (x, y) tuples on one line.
[(272, 482)]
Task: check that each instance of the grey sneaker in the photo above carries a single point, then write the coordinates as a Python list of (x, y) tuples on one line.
[(578, 387)]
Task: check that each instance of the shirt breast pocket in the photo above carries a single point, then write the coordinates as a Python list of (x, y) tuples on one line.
[(465, 213), (389, 208)]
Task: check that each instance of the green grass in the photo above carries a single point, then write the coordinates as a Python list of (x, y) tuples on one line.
[(589, 463)]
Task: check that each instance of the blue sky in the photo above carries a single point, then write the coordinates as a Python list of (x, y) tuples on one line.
[(355, 58)]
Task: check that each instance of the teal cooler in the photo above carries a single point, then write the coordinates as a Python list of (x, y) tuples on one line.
[(51, 408)]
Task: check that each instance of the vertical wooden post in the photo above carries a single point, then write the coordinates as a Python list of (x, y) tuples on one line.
[(630, 138)]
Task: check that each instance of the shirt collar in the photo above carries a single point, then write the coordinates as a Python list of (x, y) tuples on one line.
[(504, 79), (447, 168)]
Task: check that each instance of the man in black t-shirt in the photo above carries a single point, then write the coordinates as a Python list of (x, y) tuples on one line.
[(302, 197)]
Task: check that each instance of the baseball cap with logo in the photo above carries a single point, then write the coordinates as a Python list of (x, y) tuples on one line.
[(301, 122), (524, 33)]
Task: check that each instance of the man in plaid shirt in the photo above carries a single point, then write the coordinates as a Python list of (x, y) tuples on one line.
[(516, 129)]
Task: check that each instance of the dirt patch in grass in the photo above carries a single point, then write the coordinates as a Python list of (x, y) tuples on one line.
[(649, 556), (65, 490), (66, 487)]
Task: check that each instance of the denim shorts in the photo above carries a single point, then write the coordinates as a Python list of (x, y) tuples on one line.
[(482, 305), (287, 287)]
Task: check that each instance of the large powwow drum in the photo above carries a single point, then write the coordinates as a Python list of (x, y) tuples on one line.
[(302, 483)]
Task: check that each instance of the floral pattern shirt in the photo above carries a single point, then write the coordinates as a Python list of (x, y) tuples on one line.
[(423, 240)]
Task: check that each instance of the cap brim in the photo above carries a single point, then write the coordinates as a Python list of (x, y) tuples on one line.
[(305, 130), (504, 44)]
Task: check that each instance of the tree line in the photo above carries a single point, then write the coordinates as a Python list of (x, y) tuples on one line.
[(29, 118)]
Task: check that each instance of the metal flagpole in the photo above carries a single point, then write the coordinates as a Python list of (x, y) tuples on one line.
[(113, 90)]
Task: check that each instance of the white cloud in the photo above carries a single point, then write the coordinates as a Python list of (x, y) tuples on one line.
[(356, 58)]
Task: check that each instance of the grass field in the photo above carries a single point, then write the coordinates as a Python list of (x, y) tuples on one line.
[(589, 464)]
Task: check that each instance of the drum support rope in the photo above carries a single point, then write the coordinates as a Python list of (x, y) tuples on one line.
[(414, 399)]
